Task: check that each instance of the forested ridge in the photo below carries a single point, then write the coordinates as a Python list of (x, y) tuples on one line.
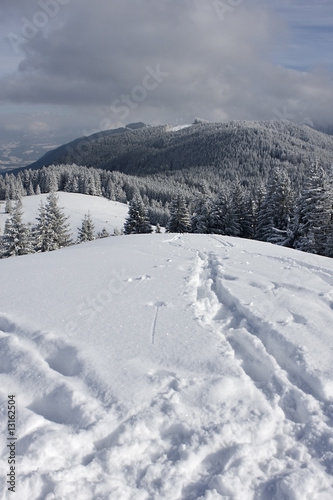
[(243, 149)]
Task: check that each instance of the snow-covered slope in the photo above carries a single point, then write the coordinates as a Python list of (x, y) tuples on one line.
[(104, 213), (168, 367)]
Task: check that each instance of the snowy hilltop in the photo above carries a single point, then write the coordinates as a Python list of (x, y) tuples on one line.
[(170, 367)]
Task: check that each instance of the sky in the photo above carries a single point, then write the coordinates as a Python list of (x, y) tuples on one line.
[(75, 67)]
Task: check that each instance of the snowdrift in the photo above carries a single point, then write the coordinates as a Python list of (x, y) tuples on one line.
[(168, 367)]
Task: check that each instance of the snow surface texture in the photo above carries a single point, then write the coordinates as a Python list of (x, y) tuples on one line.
[(169, 367), (104, 213)]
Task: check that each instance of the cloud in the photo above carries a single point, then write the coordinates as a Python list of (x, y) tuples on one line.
[(98, 55)]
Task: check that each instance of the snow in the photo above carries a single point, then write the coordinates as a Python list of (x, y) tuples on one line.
[(104, 213), (176, 128), (168, 367)]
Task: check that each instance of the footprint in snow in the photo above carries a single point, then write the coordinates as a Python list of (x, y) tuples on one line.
[(59, 407), (228, 277), (64, 360)]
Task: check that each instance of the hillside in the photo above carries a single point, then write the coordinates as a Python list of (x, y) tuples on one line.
[(246, 150), (168, 367), (104, 213)]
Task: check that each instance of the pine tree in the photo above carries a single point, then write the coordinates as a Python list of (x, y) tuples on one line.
[(137, 221), (53, 230), (41, 231), (103, 234), (313, 217), (179, 221), (200, 221), (52, 182), (17, 237), (259, 198), (30, 190), (243, 208), (329, 241), (87, 229), (8, 206), (276, 210), (223, 216)]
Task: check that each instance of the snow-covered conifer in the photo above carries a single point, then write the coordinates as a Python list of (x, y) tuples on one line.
[(103, 234), (8, 206), (276, 209), (179, 221), (200, 221), (313, 217), (53, 230), (17, 236), (30, 190), (87, 229), (223, 216), (40, 232), (137, 221), (243, 208)]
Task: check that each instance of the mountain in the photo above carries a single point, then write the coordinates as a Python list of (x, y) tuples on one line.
[(173, 367), (244, 150), (18, 149)]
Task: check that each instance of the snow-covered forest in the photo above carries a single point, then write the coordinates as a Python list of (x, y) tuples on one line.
[(246, 150), (275, 211), (270, 181)]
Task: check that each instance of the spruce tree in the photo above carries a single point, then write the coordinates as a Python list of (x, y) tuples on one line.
[(40, 232), (87, 229), (223, 216), (30, 190), (259, 196), (179, 221), (329, 240), (276, 210), (313, 217), (243, 208), (8, 206), (103, 234), (17, 236), (137, 221), (52, 231), (200, 221)]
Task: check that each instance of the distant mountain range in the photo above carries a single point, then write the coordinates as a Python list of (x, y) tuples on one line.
[(246, 151), (17, 154), (17, 150)]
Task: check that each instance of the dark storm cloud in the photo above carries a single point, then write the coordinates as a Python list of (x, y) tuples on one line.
[(164, 60)]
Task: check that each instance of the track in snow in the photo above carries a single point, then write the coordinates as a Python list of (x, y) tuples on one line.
[(266, 358)]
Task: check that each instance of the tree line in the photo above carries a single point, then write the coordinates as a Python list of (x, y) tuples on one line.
[(274, 211), (303, 222)]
